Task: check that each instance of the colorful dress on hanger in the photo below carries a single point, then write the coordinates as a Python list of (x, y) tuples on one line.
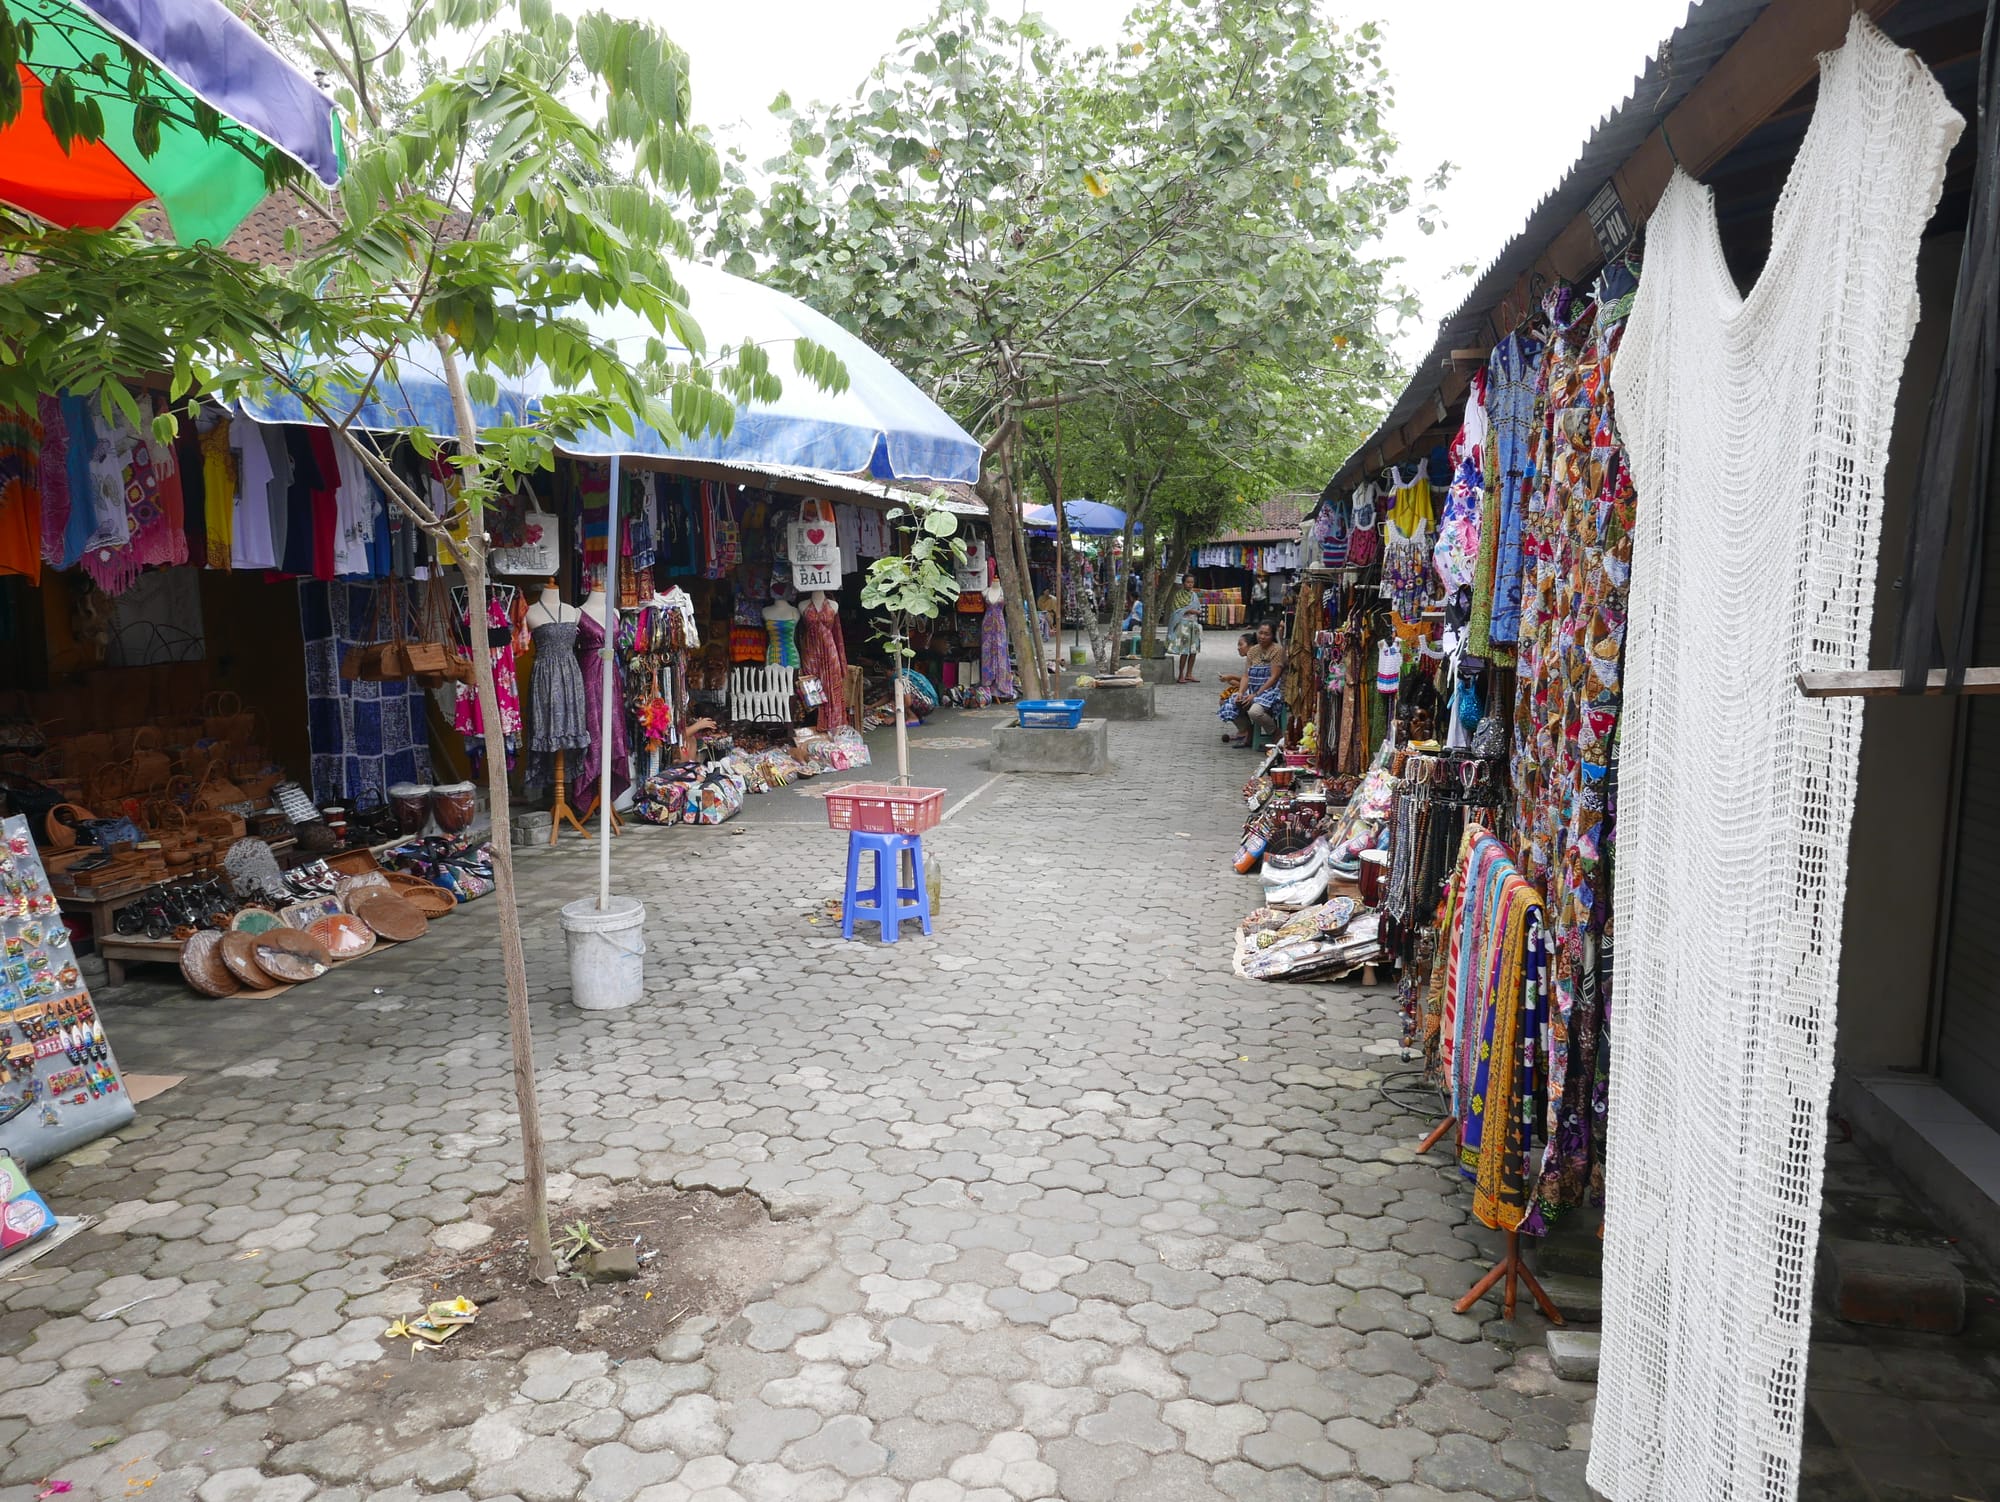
[(218, 495), (996, 663), (596, 662), (826, 660), (1456, 556), (20, 497), (1511, 381), (465, 716), (53, 479), (1406, 542)]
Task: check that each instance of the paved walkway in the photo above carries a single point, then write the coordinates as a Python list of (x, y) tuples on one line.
[(1088, 1218)]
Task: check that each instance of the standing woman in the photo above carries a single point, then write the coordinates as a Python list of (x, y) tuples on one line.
[(1184, 630)]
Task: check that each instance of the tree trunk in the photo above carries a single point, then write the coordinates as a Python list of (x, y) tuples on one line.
[(1121, 572), (1044, 673), (513, 959), (1161, 577), (1014, 588)]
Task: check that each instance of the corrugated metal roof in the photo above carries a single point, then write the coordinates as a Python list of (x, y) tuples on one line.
[(1711, 29), (1278, 519)]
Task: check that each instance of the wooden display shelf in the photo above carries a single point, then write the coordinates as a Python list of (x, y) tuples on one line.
[(119, 950)]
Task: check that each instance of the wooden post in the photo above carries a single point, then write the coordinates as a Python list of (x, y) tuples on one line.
[(1514, 1271), (560, 810)]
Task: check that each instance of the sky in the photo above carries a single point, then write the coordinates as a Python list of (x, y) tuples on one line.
[(1451, 61)]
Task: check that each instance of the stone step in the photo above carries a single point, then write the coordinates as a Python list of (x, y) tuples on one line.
[(1573, 1354), (1573, 1247), (1891, 1286), (1579, 1299)]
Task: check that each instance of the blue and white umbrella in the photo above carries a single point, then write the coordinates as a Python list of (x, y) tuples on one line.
[(1085, 518), (882, 425)]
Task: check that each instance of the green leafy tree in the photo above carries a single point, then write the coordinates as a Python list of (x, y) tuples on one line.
[(1022, 225), (910, 585), (511, 172)]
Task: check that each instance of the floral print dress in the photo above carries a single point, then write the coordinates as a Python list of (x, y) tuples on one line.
[(465, 716)]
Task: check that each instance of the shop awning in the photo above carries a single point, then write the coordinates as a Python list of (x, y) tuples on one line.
[(858, 490), (1085, 518), (881, 426), (204, 55)]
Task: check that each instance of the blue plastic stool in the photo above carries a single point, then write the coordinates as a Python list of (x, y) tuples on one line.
[(887, 903)]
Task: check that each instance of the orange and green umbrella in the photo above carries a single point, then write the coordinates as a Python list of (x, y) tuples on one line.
[(127, 102)]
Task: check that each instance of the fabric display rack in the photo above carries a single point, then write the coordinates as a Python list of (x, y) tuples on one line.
[(60, 1085), (1455, 678)]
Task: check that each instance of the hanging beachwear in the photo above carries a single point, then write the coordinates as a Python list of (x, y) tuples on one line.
[(1729, 928)]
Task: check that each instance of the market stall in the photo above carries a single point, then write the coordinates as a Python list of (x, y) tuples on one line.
[(1454, 673)]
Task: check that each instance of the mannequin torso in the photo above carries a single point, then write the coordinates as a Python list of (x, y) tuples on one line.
[(550, 609)]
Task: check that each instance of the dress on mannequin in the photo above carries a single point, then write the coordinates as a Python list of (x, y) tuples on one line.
[(558, 718), (781, 621), (826, 658), (596, 661)]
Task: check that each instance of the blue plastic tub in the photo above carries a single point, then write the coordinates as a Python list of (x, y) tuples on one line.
[(1051, 714)]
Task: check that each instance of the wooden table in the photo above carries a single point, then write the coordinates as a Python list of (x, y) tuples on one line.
[(117, 951)]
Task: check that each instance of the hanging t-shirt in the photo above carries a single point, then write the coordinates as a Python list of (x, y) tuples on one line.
[(278, 490), (250, 541), (52, 479), (325, 502), (358, 506), (108, 460), (296, 554), (82, 511), (20, 497), (218, 491), (847, 528)]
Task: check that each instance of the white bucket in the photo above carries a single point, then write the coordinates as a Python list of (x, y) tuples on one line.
[(607, 952)]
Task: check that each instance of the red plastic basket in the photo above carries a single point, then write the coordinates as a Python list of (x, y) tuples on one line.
[(882, 808)]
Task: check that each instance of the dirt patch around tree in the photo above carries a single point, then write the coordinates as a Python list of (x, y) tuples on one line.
[(698, 1254)]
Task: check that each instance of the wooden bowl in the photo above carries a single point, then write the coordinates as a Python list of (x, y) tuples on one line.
[(238, 951), (392, 918), (201, 964), (345, 936), (291, 955), (431, 901)]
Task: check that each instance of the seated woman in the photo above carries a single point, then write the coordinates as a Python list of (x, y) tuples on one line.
[(1263, 690)]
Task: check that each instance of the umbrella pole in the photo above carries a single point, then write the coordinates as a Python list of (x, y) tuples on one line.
[(608, 662)]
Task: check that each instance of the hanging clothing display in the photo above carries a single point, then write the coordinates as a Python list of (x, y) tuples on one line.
[(251, 545), (557, 712), (20, 496), (1509, 475), (594, 662), (826, 658), (364, 736), (466, 718), (1456, 556), (1730, 926), (1406, 542), (137, 493), (218, 495), (996, 659), (52, 479)]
